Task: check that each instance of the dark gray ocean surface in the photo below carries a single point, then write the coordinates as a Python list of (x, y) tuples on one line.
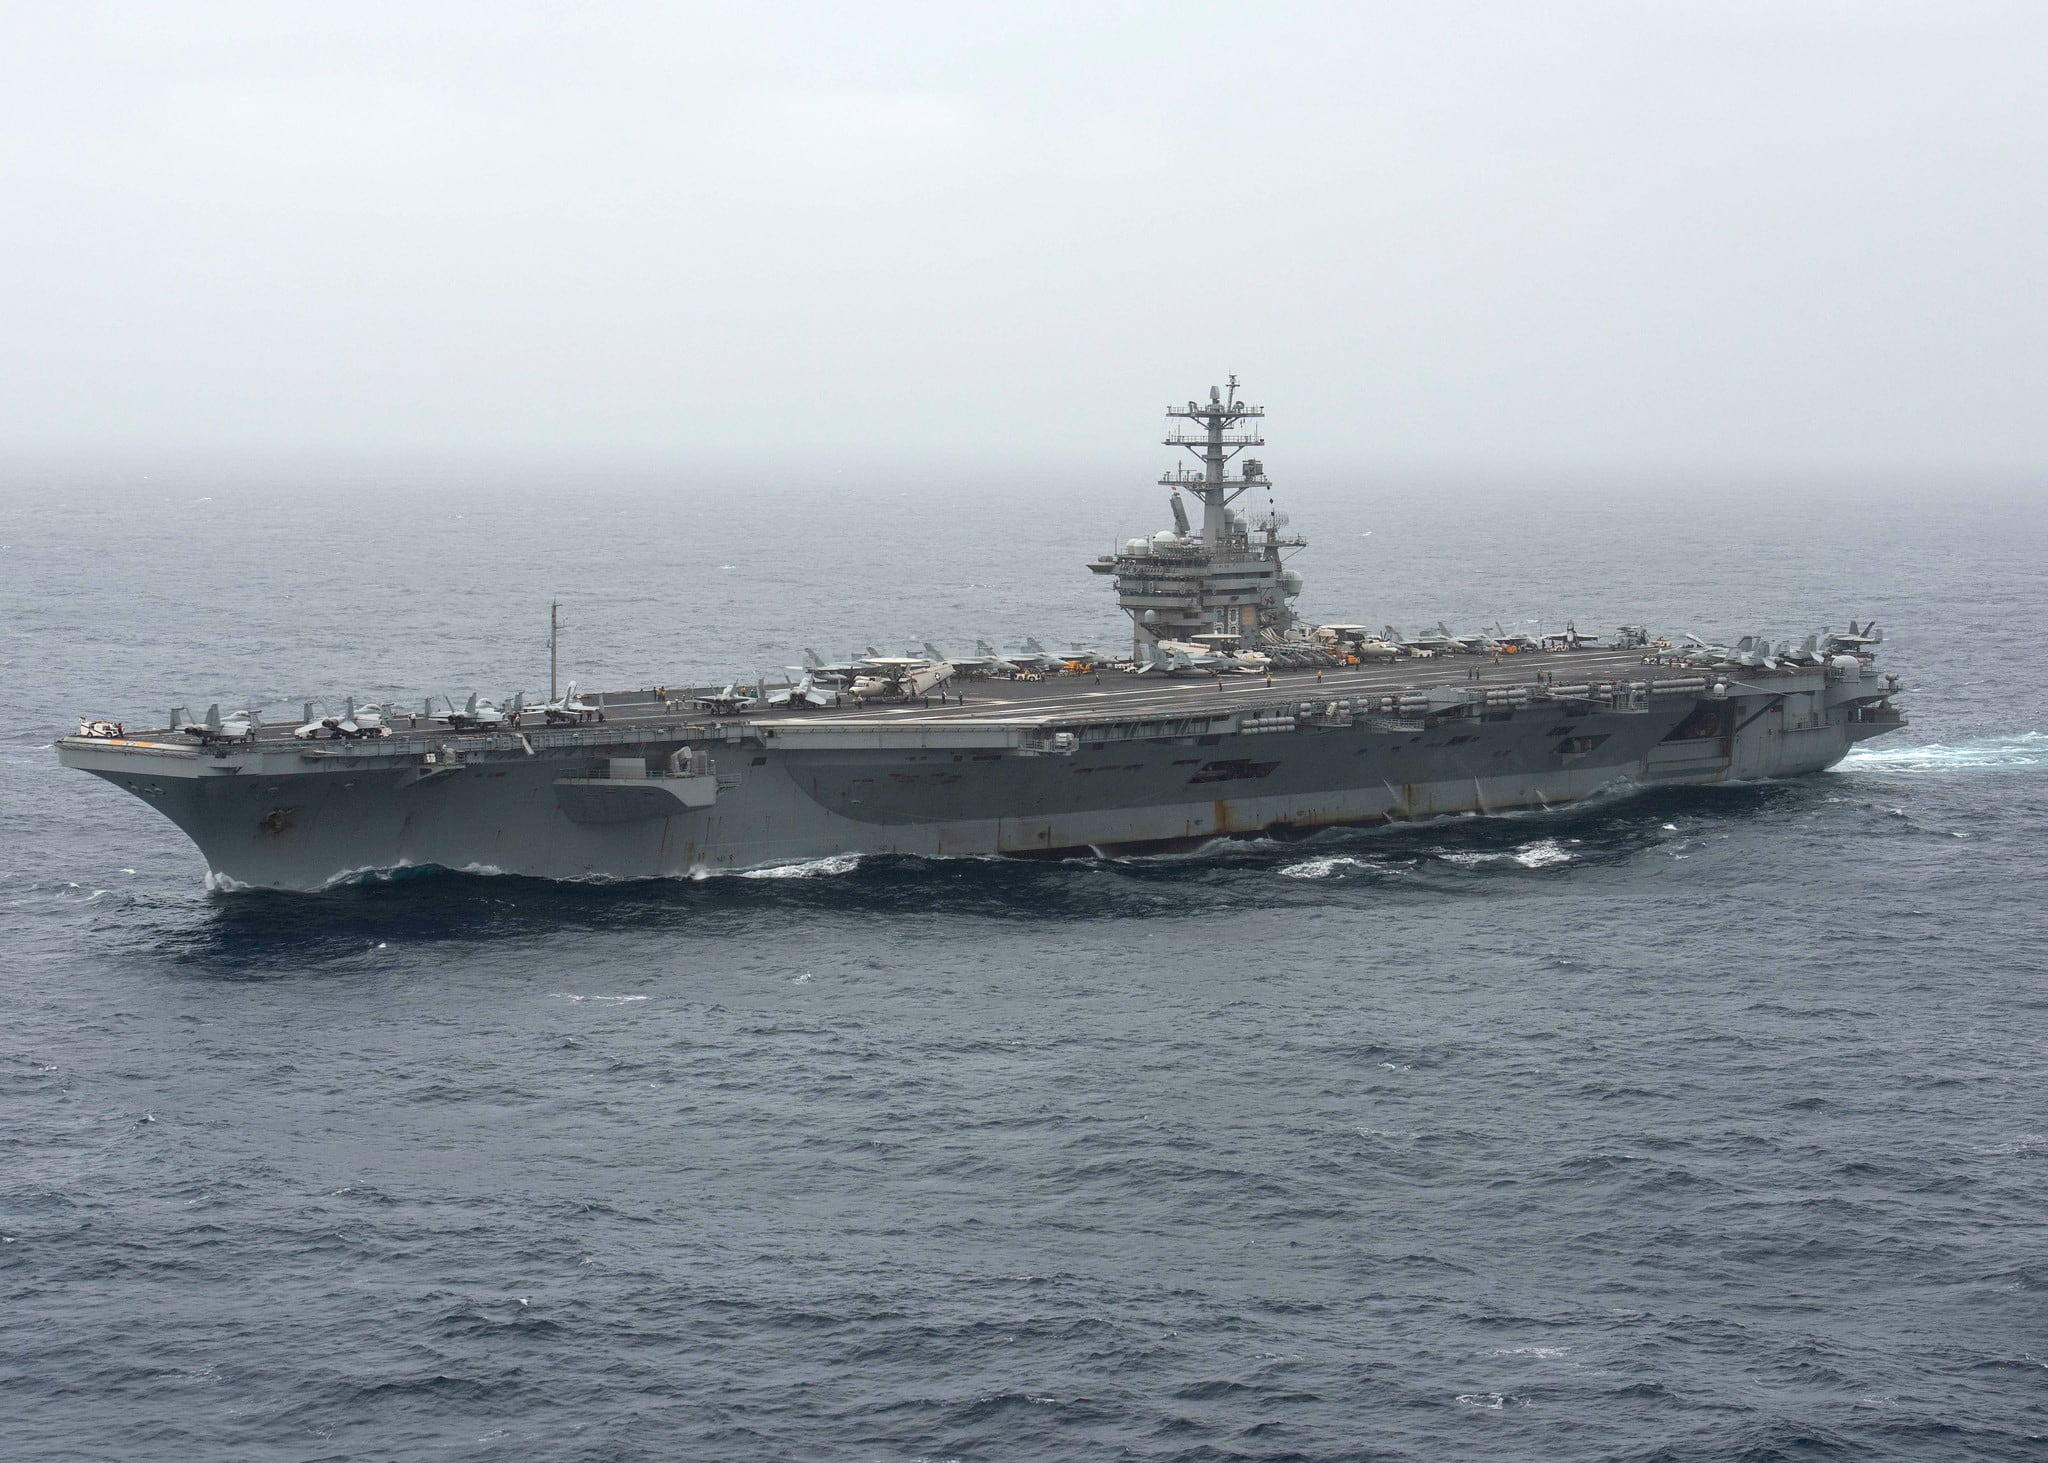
[(1709, 1124)]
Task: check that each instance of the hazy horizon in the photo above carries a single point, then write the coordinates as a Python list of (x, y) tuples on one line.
[(1747, 243)]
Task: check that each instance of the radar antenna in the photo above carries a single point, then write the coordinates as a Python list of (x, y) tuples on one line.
[(1224, 433)]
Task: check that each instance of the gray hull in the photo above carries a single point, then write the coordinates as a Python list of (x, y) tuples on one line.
[(1169, 770)]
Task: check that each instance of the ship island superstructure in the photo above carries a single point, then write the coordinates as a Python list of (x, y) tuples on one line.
[(1230, 718), (1223, 583)]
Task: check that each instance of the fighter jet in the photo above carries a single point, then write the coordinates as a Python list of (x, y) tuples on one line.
[(729, 700), (1569, 638), (363, 721), (350, 724), (1855, 640), (1218, 651), (1081, 658), (1425, 645), (1512, 641), (999, 664), (240, 726), (572, 709), (837, 675), (1174, 658), (1194, 658), (1755, 653), (1035, 657), (1807, 653), (806, 692), (1698, 652), (986, 660), (1356, 641), (1476, 643), (481, 714)]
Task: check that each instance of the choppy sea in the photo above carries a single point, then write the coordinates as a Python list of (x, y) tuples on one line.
[(1709, 1124)]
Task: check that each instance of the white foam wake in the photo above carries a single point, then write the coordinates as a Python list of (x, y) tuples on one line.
[(2015, 753), (1542, 854), (838, 863), (1324, 868)]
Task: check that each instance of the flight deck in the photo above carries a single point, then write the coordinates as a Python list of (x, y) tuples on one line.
[(1052, 701)]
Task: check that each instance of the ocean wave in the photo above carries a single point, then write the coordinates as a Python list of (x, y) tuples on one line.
[(386, 874)]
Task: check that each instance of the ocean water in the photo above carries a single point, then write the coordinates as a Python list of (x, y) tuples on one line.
[(1708, 1124)]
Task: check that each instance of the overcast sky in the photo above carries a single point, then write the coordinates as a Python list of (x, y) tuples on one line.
[(1525, 237)]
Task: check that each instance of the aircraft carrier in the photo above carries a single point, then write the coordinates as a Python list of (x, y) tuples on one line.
[(1229, 718)]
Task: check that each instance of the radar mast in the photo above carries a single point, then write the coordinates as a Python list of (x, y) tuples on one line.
[(1224, 433)]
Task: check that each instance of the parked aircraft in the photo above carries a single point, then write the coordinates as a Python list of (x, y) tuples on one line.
[(481, 714), (1864, 639), (1424, 645), (1357, 641), (573, 707), (899, 677), (240, 726), (1035, 657), (986, 660), (728, 700), (838, 675), (806, 692)]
